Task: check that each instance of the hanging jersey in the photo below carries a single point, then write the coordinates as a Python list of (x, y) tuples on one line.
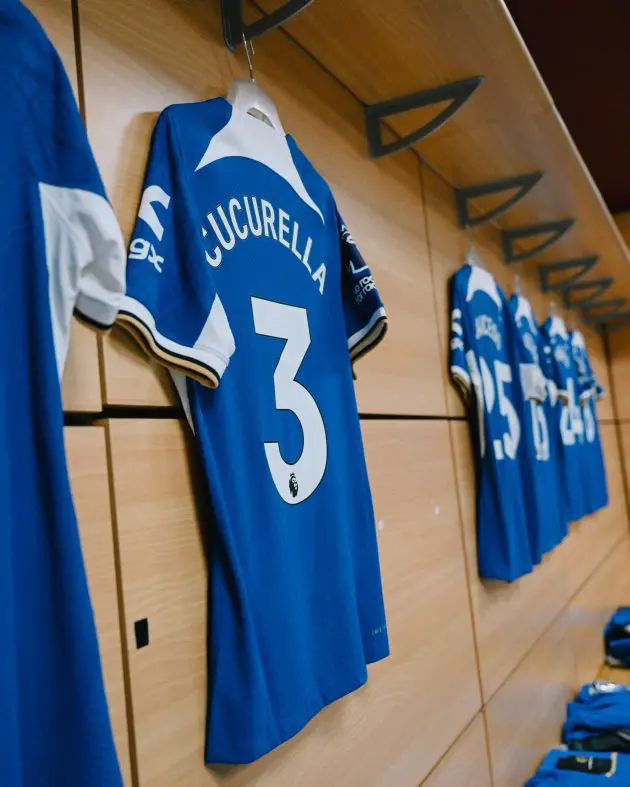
[(242, 275), (61, 249), (553, 408), (482, 365), (538, 455), (593, 467), (571, 424)]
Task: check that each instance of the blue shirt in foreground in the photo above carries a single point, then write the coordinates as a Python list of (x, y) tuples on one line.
[(61, 249), (243, 277)]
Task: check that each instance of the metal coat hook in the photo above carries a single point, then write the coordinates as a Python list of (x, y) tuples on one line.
[(249, 54), (234, 28)]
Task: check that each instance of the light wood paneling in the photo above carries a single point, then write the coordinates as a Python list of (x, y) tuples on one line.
[(592, 538), (597, 355), (416, 702), (592, 607), (525, 716), (510, 125), (87, 465), (508, 618), (171, 52), (620, 360), (55, 16), (466, 763), (81, 381)]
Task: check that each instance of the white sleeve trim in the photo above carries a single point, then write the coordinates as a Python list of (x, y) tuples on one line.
[(360, 341), (462, 377), (207, 364), (85, 257)]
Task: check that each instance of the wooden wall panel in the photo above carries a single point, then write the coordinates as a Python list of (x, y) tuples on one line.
[(87, 465), (416, 702), (624, 434), (168, 52), (593, 537), (525, 716), (592, 607), (466, 763), (620, 370), (508, 618), (81, 381)]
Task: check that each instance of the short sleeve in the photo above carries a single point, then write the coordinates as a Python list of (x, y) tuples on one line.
[(458, 341), (172, 306), (365, 317), (85, 253), (561, 368)]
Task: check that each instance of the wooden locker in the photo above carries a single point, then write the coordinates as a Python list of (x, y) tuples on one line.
[(526, 714), (87, 466), (395, 729)]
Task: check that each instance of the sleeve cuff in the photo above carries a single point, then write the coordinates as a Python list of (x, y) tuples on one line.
[(369, 336), (204, 364), (97, 314), (462, 378)]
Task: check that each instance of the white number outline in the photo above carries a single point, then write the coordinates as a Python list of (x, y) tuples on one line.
[(295, 482), (486, 386)]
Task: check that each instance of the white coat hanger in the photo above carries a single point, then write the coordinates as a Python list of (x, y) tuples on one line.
[(246, 96), (473, 257), (518, 287)]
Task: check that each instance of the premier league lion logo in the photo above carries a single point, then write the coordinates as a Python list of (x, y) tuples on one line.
[(293, 485)]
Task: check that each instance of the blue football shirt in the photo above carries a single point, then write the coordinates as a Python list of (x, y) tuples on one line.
[(61, 250), (539, 458), (598, 770), (600, 706), (482, 363), (570, 423), (243, 277), (592, 457)]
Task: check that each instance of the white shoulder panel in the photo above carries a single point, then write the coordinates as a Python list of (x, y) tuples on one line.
[(245, 137), (85, 257), (481, 281)]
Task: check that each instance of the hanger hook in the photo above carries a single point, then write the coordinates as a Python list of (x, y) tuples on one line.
[(249, 53)]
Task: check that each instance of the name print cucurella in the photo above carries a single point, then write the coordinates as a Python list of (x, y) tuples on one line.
[(244, 281)]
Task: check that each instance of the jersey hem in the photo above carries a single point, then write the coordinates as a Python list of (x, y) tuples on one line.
[(96, 312), (177, 359), (210, 759)]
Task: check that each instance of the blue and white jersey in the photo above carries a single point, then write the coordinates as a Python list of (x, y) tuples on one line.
[(62, 250), (571, 424), (562, 768), (539, 455), (589, 390), (482, 364), (599, 707), (243, 276)]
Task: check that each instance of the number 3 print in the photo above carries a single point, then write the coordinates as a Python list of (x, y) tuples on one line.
[(294, 482)]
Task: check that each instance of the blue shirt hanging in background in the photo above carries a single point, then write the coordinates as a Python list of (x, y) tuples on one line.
[(539, 456), (592, 457), (482, 363), (61, 249), (571, 424), (243, 277)]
